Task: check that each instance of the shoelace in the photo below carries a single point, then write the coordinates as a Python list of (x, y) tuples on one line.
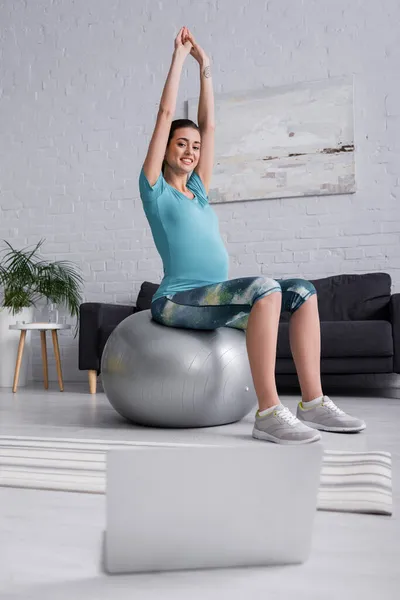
[(330, 405), (287, 416)]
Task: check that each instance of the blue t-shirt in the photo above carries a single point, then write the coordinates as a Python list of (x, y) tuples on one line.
[(186, 234)]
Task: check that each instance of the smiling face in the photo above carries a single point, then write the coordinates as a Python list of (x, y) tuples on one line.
[(183, 151)]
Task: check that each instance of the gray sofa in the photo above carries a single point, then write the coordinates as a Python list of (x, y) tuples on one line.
[(360, 327)]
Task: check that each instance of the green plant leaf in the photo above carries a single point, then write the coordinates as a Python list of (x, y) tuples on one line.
[(25, 279)]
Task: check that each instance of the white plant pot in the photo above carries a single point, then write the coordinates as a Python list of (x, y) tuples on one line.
[(9, 341)]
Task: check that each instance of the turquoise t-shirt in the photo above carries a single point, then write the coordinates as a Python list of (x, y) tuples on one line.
[(186, 234)]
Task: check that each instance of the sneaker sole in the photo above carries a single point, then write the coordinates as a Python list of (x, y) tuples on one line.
[(334, 429), (261, 435)]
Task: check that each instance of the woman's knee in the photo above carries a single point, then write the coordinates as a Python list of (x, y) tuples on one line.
[(268, 289), (299, 292), (310, 288), (267, 285)]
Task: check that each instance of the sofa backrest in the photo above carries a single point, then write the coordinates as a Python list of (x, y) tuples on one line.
[(147, 291), (340, 298), (354, 297)]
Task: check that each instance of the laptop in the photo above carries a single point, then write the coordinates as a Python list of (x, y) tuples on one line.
[(193, 506)]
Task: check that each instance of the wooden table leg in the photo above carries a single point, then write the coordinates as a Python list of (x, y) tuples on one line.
[(44, 360), (58, 361), (92, 381), (19, 359)]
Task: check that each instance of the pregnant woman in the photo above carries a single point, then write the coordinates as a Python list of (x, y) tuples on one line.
[(196, 292)]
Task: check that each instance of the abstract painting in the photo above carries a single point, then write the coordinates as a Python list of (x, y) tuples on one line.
[(296, 140)]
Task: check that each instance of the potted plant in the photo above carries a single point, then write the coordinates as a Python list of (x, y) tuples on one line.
[(24, 280)]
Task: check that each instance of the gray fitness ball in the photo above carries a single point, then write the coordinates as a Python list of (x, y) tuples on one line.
[(167, 377)]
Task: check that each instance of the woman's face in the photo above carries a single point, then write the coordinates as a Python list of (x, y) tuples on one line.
[(183, 151)]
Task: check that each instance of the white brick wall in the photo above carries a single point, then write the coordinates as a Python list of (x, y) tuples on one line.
[(80, 84)]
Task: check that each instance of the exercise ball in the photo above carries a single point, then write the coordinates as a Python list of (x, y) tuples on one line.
[(168, 377)]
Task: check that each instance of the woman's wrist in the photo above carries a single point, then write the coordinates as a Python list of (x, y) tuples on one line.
[(205, 69), (204, 62), (179, 55)]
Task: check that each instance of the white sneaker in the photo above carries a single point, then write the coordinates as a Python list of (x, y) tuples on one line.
[(282, 427), (326, 416)]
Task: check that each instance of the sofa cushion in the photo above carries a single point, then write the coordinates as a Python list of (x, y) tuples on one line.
[(146, 293), (346, 339), (354, 297), (286, 375)]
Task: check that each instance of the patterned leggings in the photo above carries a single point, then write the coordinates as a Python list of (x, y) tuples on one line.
[(227, 304)]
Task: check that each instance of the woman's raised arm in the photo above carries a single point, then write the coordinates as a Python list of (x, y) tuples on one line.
[(205, 114), (158, 143)]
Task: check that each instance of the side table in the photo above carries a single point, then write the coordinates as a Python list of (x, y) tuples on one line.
[(42, 327)]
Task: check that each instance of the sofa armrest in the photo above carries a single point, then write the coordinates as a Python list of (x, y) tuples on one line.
[(92, 316), (395, 320)]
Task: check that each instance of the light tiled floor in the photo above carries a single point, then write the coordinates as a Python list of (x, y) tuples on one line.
[(50, 541)]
